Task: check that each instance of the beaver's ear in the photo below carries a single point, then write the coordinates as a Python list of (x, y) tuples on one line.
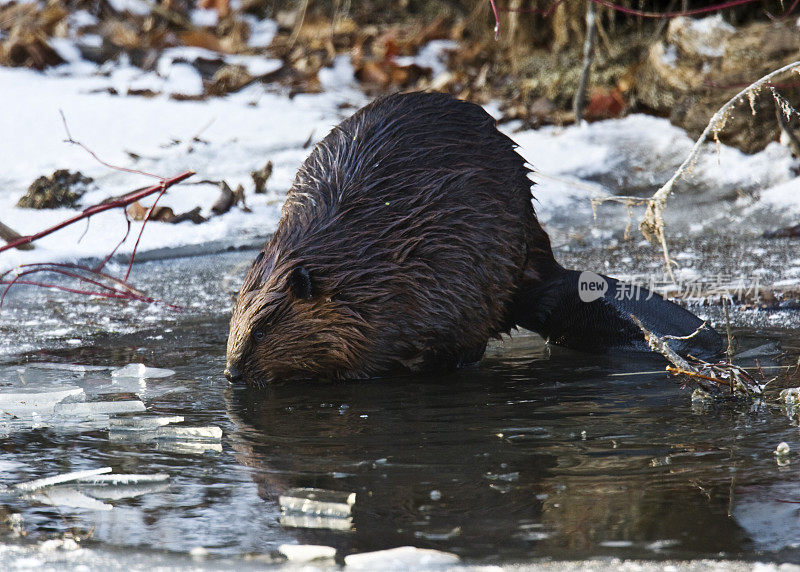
[(300, 283)]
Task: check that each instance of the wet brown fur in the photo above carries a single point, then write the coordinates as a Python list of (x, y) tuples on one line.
[(413, 219)]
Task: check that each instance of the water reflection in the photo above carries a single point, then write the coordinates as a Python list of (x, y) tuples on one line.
[(519, 458), (534, 453)]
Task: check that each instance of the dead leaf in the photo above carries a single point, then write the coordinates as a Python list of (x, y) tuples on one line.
[(138, 212)]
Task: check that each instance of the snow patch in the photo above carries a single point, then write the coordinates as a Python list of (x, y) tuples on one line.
[(135, 7), (204, 18), (262, 32)]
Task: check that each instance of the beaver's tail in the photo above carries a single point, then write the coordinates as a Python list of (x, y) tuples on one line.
[(592, 312)]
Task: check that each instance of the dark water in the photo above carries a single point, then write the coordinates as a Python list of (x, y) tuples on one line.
[(533, 454)]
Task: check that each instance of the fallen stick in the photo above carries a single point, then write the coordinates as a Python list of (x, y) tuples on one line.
[(9, 234), (58, 479)]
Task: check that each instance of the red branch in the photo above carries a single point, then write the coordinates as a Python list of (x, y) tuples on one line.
[(629, 11), (95, 209), (693, 12), (496, 20)]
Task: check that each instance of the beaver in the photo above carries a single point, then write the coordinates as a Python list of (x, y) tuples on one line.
[(407, 241)]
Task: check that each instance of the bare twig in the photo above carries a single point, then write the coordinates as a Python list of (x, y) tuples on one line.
[(105, 285), (588, 56), (652, 225), (72, 141), (659, 345), (709, 376)]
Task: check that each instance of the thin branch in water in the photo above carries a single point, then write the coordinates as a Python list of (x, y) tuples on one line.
[(709, 376)]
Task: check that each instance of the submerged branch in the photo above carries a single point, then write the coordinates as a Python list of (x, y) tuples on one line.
[(708, 376)]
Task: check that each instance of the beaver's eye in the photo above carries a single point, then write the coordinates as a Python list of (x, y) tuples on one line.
[(259, 335)]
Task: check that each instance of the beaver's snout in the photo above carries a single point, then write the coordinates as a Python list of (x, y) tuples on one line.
[(232, 373)]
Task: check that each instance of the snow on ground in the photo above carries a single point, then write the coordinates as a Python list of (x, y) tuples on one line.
[(240, 132)]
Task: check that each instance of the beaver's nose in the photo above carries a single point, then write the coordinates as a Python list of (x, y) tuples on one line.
[(232, 373)]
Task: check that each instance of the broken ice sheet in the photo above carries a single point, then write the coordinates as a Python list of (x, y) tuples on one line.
[(188, 447), (181, 433), (24, 403), (82, 489), (67, 496), (317, 502), (143, 422), (307, 552), (165, 437), (140, 370), (317, 522), (72, 367), (123, 491), (118, 487), (120, 479), (89, 408), (160, 431)]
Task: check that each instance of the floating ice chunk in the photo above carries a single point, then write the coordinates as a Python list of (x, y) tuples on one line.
[(316, 522), (306, 552), (117, 492), (90, 422), (318, 502), (59, 479), (176, 439), (141, 370), (180, 433), (81, 489), (403, 558), (22, 403), (188, 447), (68, 496), (123, 479), (143, 422), (89, 408), (76, 367), (768, 349)]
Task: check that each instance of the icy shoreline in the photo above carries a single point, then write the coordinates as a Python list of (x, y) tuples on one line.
[(240, 132)]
